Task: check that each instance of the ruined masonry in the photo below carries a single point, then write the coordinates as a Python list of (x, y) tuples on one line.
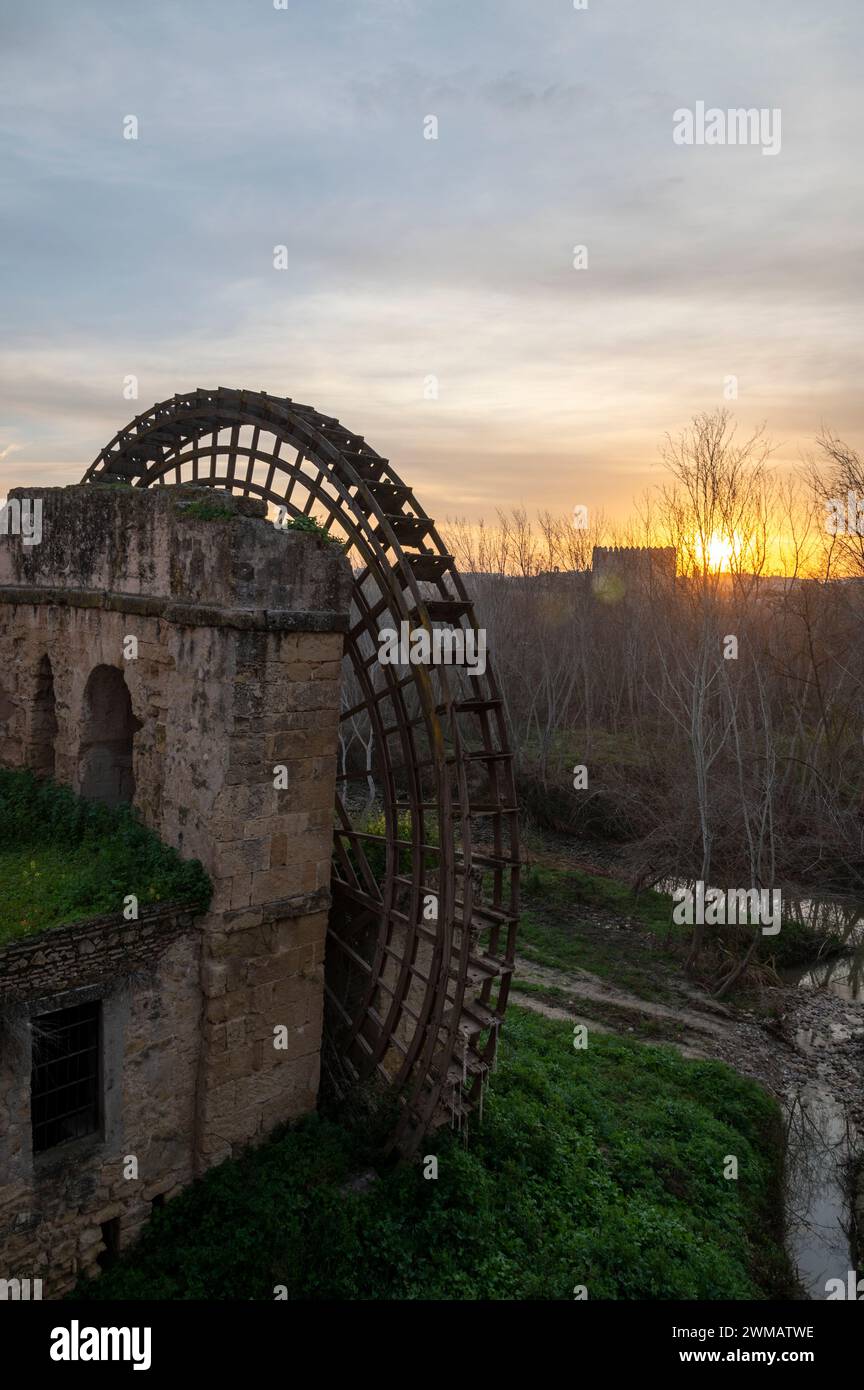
[(240, 630)]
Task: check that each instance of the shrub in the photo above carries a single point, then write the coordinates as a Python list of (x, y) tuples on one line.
[(63, 858)]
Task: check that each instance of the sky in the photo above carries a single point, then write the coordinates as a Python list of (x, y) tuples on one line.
[(409, 258)]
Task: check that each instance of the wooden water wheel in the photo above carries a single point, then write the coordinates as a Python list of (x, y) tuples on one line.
[(422, 931)]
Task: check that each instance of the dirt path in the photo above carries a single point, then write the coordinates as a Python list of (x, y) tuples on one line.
[(812, 1039)]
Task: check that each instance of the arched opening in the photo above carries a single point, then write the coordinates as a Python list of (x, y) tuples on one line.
[(109, 727), (43, 724)]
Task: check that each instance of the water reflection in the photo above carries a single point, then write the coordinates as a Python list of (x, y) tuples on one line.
[(840, 969), (843, 976), (819, 1146)]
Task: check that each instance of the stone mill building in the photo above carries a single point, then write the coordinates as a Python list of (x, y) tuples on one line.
[(234, 670)]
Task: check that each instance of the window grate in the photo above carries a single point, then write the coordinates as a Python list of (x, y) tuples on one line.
[(64, 1087)]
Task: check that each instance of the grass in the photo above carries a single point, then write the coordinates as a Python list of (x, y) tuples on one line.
[(63, 859), (620, 1020), (550, 994), (559, 929), (574, 888), (569, 921), (310, 527), (208, 511), (601, 1167)]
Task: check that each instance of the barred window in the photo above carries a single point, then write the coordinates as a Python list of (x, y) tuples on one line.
[(64, 1087)]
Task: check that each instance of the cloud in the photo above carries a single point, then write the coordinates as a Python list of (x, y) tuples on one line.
[(409, 256)]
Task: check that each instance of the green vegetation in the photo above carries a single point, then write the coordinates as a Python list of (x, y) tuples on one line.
[(798, 943), (550, 994), (572, 920), (545, 775), (601, 1167), (374, 822), (574, 887), (310, 527), (562, 927), (208, 511), (63, 859)]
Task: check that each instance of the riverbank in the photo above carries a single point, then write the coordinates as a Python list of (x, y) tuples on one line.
[(590, 953)]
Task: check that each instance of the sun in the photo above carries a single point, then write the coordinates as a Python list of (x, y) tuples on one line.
[(719, 552)]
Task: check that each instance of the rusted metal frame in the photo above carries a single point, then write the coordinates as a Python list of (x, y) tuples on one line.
[(380, 695), (440, 966), (386, 784), (374, 896), (493, 772), (433, 1013), (365, 967), (374, 612), (220, 413), (399, 844), (272, 463), (340, 852), (362, 774), (419, 722), (340, 1008), (465, 951), (349, 951), (418, 851)]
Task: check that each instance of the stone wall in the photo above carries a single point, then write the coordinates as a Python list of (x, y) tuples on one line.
[(53, 1205), (233, 673), (87, 953)]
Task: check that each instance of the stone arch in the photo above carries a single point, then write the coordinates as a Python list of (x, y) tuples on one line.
[(43, 721), (108, 729)]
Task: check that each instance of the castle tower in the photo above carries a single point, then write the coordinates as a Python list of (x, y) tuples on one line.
[(619, 570)]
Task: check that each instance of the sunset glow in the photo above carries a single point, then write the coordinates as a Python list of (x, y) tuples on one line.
[(719, 552)]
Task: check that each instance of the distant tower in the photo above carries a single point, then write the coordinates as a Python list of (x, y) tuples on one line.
[(619, 570)]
